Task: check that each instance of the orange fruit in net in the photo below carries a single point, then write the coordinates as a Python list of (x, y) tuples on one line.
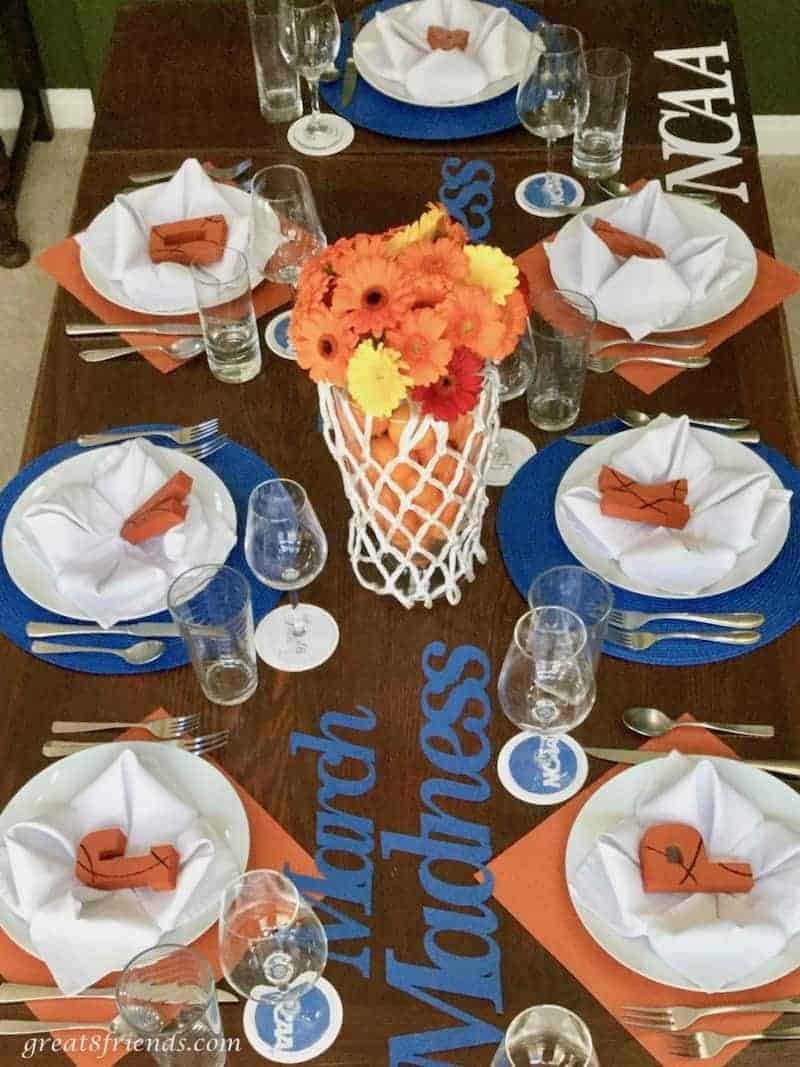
[(397, 421), (425, 450), (459, 431)]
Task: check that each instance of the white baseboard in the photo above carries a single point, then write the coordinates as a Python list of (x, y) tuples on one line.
[(778, 135), (72, 109)]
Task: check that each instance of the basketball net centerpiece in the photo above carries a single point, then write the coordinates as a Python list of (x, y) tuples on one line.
[(401, 332)]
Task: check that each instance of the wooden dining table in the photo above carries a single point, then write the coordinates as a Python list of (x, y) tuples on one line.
[(180, 82)]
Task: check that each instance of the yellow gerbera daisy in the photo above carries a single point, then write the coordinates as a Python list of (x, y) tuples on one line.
[(424, 229), (376, 378), (492, 269)]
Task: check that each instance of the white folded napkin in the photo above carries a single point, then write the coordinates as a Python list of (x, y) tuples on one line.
[(712, 940), (495, 50), (642, 295), (75, 533), (117, 242), (730, 511), (83, 934)]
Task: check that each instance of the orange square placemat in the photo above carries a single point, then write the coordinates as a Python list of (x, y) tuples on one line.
[(774, 283), (530, 882), (62, 261), (270, 846)]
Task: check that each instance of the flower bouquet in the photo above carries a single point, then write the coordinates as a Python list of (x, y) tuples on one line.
[(401, 331)]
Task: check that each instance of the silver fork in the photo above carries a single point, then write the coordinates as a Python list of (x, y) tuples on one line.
[(736, 620), (185, 435), (655, 340), (706, 1044), (198, 746), (219, 173), (603, 366), (205, 448), (164, 729), (638, 642), (674, 1019)]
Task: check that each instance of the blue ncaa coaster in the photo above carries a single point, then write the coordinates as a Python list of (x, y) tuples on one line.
[(542, 770), (276, 336), (531, 197), (283, 1036)]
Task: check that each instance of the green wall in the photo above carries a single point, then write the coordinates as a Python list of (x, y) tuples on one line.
[(73, 37)]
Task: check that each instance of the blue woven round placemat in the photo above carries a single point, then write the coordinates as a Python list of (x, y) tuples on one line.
[(240, 470), (381, 114), (530, 543)]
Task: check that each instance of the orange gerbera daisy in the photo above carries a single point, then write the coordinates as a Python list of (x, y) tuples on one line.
[(312, 292), (514, 316), (473, 319), (421, 342), (443, 258), (324, 344), (375, 293)]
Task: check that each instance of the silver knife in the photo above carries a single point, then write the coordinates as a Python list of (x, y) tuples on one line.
[(789, 768), (350, 69), (134, 629), (747, 437), (16, 993), (98, 329)]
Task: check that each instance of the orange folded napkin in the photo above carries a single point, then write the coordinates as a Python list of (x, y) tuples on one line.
[(102, 864), (189, 240), (447, 40), (626, 244), (163, 510), (673, 859), (270, 846), (774, 283), (529, 881), (657, 505)]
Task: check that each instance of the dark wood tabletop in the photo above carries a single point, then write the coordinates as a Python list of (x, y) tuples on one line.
[(378, 664)]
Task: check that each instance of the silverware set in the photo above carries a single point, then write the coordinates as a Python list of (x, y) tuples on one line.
[(705, 1044), (625, 628), (167, 731)]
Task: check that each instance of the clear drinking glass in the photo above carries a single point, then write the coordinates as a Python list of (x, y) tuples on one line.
[(212, 608), (310, 35), (286, 548), (547, 682), (225, 306), (561, 326), (272, 947), (551, 97), (285, 230), (581, 591), (546, 1036), (597, 147), (168, 998), (279, 97)]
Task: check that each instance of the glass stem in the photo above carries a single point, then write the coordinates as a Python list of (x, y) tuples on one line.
[(299, 626), (552, 184), (315, 124)]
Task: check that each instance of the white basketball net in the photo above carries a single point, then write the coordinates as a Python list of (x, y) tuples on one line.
[(416, 523)]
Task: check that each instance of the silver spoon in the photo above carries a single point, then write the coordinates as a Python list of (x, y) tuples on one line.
[(612, 187), (136, 655), (635, 418), (650, 722), (184, 348)]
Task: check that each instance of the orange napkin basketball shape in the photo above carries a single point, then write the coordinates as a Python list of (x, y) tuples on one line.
[(189, 241), (102, 864), (447, 40), (625, 244), (163, 510), (673, 859), (657, 505)]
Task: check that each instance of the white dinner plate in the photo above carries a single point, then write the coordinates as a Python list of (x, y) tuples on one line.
[(35, 580), (615, 801), (195, 781), (238, 199), (725, 453), (519, 38), (699, 221)]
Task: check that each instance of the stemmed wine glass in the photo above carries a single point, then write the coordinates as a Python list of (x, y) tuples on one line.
[(548, 1035), (552, 98), (273, 950), (286, 548), (547, 688), (309, 38), (512, 449)]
